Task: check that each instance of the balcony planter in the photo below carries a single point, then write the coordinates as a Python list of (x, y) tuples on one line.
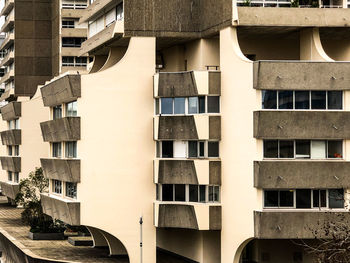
[(46, 236)]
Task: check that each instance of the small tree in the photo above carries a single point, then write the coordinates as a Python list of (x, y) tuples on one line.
[(29, 197)]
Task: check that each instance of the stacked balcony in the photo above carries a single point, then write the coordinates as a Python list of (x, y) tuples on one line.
[(187, 171), (313, 172)]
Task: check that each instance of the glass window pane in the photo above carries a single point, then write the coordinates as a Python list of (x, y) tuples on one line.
[(193, 189), (335, 149), (336, 198), (192, 149), (216, 193), (202, 193), (335, 100), (269, 99), (213, 104), (285, 99), (303, 198), (16, 177), (286, 198), (318, 149), (167, 149), (179, 105), (270, 149), (71, 149), (201, 104), (71, 190), (157, 106), (180, 192), (323, 198), (211, 193), (286, 149), (302, 150), (166, 106), (302, 100), (201, 149), (167, 192), (56, 149), (213, 149), (318, 100), (316, 198), (72, 109), (193, 105), (57, 112), (271, 198)]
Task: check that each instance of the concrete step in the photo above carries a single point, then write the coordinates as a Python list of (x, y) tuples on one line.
[(80, 241)]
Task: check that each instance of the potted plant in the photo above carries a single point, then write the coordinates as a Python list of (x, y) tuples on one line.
[(42, 227)]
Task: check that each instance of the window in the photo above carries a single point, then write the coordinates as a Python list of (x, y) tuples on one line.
[(57, 149), (213, 149), (193, 105), (196, 149), (11, 125), (167, 192), (303, 198), (71, 109), (302, 100), (16, 152), (111, 16), (214, 193), (120, 12), (80, 61), (71, 149), (279, 198), (180, 194), (193, 193), (72, 41), (213, 104), (16, 123), (68, 61), (336, 198), (9, 176), (167, 149), (9, 150), (319, 198), (179, 105), (71, 190), (57, 186), (16, 177), (57, 112), (166, 106), (68, 23), (304, 149)]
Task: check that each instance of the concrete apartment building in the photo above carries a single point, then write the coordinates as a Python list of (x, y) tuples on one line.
[(224, 126)]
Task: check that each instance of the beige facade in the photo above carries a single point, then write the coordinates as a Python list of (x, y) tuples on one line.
[(224, 131)]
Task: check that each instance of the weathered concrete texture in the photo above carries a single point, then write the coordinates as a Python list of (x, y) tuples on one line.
[(301, 125), (293, 225), (18, 248), (67, 170), (11, 111), (215, 83), (9, 190), (62, 90), (64, 210), (177, 172), (214, 127), (176, 18), (301, 174), (215, 217), (12, 164), (299, 75), (177, 84), (64, 129), (99, 39), (302, 17), (177, 216), (177, 128), (11, 137), (215, 172), (33, 45)]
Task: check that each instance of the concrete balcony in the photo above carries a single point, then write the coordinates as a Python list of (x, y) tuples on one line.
[(301, 174), (187, 172), (64, 129), (72, 13), (67, 170), (9, 23), (9, 163), (8, 59), (293, 224), (68, 87), (70, 51), (302, 125), (113, 31), (186, 84), (295, 17), (95, 8), (11, 137), (8, 76), (9, 189), (66, 210), (9, 5), (195, 127), (74, 32), (301, 75), (11, 111), (8, 41), (187, 216)]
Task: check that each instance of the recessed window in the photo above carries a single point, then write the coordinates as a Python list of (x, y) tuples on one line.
[(279, 198), (9, 176), (318, 100), (120, 12), (336, 198), (16, 121), (213, 104), (319, 198), (193, 193), (57, 112), (285, 99), (166, 106), (214, 193), (213, 149), (270, 148), (302, 149), (335, 100), (167, 192), (179, 105), (9, 150), (57, 149), (16, 177), (286, 149), (335, 149), (269, 99), (167, 149), (193, 105), (180, 194), (302, 100), (16, 150), (72, 109), (303, 198), (71, 149), (68, 23), (71, 190), (57, 186), (72, 41)]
